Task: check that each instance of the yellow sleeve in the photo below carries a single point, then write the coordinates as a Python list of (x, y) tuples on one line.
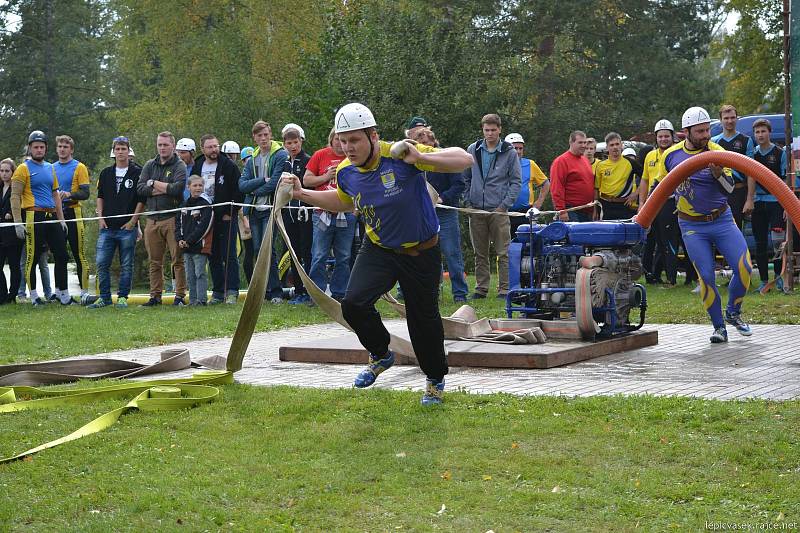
[(421, 148), (55, 178), (22, 175), (650, 171), (81, 177), (597, 172), (537, 176), (343, 196)]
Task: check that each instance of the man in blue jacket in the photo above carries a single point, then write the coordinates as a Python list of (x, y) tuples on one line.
[(492, 184), (258, 181), (450, 186)]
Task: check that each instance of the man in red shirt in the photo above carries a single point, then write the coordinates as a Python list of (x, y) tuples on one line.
[(572, 180)]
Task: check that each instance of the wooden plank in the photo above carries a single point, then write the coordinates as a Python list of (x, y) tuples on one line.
[(347, 350)]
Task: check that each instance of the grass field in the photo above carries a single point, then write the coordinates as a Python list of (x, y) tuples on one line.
[(291, 459), (282, 459)]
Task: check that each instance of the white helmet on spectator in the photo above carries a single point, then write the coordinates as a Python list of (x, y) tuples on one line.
[(694, 116), (514, 138), (293, 126), (663, 124), (352, 117), (185, 144), (628, 152), (230, 147)]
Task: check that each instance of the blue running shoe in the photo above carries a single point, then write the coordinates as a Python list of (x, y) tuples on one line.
[(720, 335), (761, 286), (735, 320), (367, 377), (434, 391)]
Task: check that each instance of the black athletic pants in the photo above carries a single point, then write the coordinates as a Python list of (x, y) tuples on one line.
[(375, 272), (668, 239), (40, 237), (75, 238), (736, 201), (10, 254), (300, 233), (766, 215)]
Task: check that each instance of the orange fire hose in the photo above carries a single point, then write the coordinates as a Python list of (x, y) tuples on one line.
[(743, 164)]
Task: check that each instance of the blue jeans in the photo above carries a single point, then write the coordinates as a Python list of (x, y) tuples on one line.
[(107, 242), (224, 261), (341, 240), (579, 216), (258, 228), (196, 277), (450, 243)]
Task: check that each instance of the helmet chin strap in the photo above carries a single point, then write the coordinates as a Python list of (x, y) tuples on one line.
[(371, 149)]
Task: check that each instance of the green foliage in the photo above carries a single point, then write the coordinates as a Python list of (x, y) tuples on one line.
[(753, 53), (54, 74)]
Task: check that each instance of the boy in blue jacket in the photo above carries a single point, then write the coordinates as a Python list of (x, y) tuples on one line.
[(194, 236)]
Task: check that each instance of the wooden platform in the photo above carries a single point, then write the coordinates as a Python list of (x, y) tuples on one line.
[(347, 350)]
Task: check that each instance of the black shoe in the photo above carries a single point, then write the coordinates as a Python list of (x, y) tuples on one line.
[(53, 298), (478, 296), (152, 302), (69, 302), (178, 302)]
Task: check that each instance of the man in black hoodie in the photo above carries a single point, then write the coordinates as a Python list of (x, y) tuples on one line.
[(221, 177)]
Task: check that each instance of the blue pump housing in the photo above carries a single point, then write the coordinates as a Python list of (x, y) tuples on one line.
[(592, 234)]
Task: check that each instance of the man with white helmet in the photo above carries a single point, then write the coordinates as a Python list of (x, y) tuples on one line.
[(706, 222), (231, 149), (297, 220), (185, 149), (665, 231), (534, 186), (385, 182)]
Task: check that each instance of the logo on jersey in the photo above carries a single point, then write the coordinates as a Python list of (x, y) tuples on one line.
[(387, 178), (128, 183)]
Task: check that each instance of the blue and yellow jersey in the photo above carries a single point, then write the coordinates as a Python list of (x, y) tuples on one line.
[(651, 173), (614, 179), (39, 180), (392, 196), (700, 193), (532, 181), (71, 176)]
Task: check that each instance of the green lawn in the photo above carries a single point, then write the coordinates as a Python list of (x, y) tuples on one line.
[(284, 459), (280, 458)]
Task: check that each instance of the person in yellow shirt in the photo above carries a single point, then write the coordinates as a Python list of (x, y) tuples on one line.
[(36, 202), (73, 182), (615, 181), (534, 188), (666, 235)]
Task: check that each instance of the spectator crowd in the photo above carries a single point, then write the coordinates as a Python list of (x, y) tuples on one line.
[(207, 207)]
